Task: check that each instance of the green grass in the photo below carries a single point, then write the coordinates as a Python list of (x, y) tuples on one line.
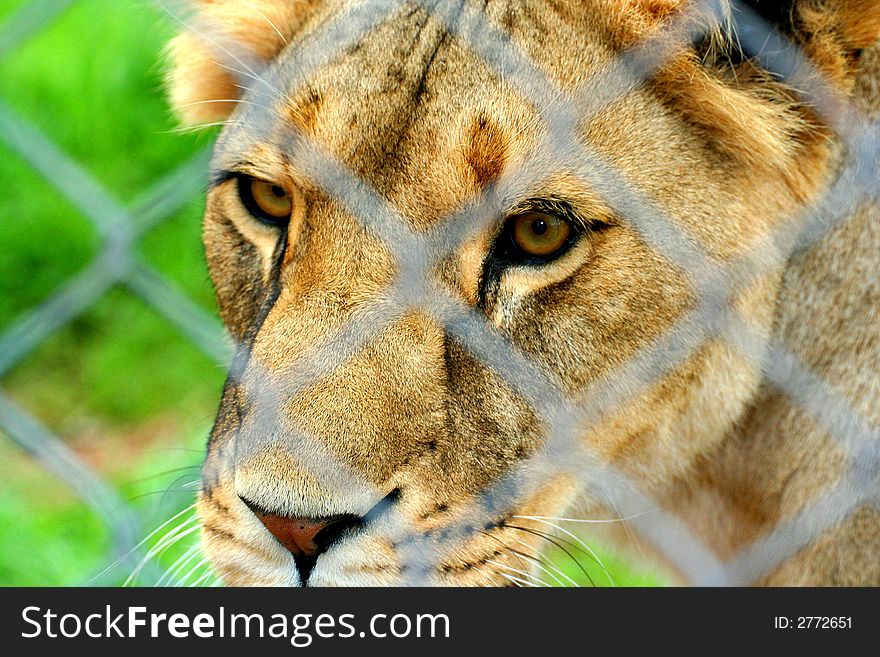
[(91, 82), (48, 537), (589, 564), (119, 383)]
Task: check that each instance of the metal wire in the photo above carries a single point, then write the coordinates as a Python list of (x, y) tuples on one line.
[(715, 282)]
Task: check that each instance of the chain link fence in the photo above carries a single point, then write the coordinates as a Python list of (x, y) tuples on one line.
[(716, 282), (115, 265)]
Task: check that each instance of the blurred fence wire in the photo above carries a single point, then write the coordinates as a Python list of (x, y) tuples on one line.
[(716, 282), (115, 265)]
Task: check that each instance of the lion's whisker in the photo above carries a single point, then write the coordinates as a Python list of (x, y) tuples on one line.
[(184, 488), (248, 90), (201, 563), (489, 582), (179, 564), (158, 550), (558, 543), (172, 537), (542, 566), (503, 545), (201, 579), (276, 93), (237, 101), (197, 127), (530, 577), (142, 541), (592, 521), (214, 42), (548, 566), (271, 24), (522, 555), (164, 473), (579, 541), (516, 580)]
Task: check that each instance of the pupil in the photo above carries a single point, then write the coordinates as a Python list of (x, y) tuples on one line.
[(539, 227), (277, 191)]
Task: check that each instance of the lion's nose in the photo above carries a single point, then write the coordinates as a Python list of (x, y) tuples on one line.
[(296, 534), (305, 538)]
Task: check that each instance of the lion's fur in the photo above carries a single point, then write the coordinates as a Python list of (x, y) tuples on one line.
[(718, 144)]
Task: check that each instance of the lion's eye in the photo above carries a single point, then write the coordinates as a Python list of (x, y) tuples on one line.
[(539, 235), (267, 201)]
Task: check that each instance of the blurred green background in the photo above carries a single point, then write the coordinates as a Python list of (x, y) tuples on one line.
[(125, 390)]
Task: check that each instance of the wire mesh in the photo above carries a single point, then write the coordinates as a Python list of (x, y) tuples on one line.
[(717, 282)]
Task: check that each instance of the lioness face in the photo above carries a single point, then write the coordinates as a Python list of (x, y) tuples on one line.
[(360, 429)]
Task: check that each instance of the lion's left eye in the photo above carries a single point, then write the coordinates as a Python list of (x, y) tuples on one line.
[(538, 235), (268, 202)]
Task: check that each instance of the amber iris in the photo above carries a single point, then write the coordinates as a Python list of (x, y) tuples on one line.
[(539, 234), (267, 200)]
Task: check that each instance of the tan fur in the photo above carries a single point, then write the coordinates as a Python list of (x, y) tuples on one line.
[(203, 91), (731, 155)]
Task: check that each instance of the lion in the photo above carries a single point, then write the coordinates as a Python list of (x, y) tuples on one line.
[(425, 284)]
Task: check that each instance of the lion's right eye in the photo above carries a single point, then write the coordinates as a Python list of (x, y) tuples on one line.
[(268, 202), (539, 235)]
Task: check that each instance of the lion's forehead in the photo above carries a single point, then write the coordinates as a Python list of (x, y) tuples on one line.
[(412, 110)]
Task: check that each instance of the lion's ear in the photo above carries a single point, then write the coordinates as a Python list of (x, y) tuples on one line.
[(209, 61), (832, 33), (733, 85)]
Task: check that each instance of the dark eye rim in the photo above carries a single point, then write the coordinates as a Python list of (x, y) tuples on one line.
[(507, 251), (243, 185)]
